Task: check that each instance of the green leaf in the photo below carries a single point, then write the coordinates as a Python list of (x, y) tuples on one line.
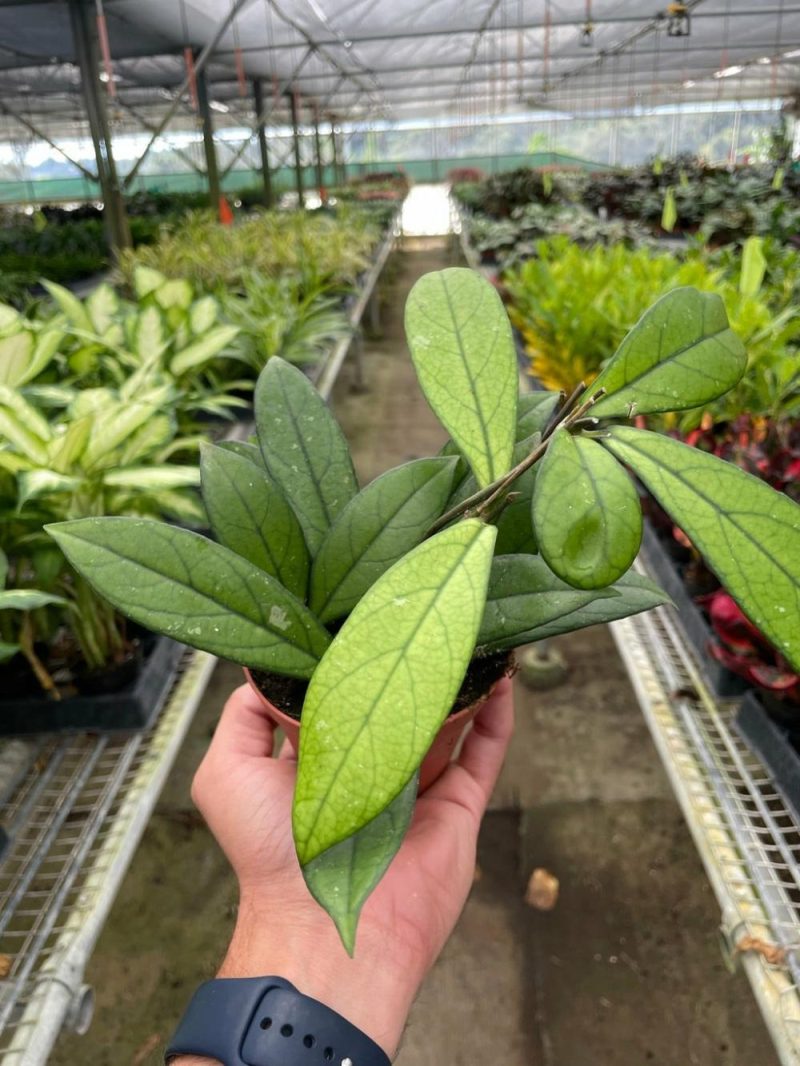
[(379, 525), (16, 353), (7, 651), (342, 878), (103, 306), (146, 280), (34, 483), (748, 533), (175, 293), (248, 451), (463, 350), (534, 411), (180, 584), (3, 568), (586, 514), (527, 602), (250, 515), (70, 305), (147, 478), (754, 266), (27, 599), (669, 213), (203, 314), (65, 450), (48, 342), (149, 334), (681, 354), (386, 684), (304, 449), (29, 444), (202, 350)]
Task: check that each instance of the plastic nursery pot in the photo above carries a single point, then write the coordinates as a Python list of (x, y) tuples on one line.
[(440, 753)]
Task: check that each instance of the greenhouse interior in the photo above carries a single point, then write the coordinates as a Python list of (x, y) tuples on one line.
[(400, 542)]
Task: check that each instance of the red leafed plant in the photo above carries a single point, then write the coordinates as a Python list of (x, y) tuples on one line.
[(741, 648)]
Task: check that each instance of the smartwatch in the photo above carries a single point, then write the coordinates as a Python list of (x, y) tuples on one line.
[(265, 1021)]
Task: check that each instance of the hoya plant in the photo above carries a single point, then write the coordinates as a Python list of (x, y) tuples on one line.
[(379, 601)]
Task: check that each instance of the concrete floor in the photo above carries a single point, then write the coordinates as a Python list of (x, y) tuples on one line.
[(625, 970)]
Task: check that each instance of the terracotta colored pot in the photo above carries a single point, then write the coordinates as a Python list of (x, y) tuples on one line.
[(439, 755)]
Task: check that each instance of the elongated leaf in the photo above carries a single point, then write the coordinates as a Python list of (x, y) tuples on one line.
[(26, 413), (34, 483), (112, 426), (681, 354), (248, 451), (342, 878), (10, 318), (463, 350), (174, 293), (304, 449), (166, 476), (15, 430), (669, 213), (146, 280), (26, 599), (70, 305), (187, 587), (754, 266), (202, 350), (102, 305), (149, 334), (586, 514), (203, 314), (16, 353), (534, 411), (528, 602), (748, 533), (250, 515), (48, 341), (64, 451), (386, 684), (386, 520)]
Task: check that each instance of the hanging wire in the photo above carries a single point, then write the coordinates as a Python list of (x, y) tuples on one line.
[(188, 58), (520, 52), (238, 58), (105, 50), (546, 48)]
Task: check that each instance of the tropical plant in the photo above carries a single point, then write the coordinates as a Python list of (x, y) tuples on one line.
[(380, 599)]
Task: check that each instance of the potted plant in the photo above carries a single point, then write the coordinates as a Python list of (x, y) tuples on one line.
[(381, 602)]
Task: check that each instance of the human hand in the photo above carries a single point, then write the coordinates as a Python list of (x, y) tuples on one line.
[(246, 799)]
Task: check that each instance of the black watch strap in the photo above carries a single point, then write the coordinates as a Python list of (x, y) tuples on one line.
[(265, 1021)]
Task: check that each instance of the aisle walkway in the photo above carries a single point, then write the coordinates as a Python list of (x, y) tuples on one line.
[(624, 971)]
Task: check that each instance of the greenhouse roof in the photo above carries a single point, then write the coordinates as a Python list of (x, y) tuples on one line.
[(363, 59)]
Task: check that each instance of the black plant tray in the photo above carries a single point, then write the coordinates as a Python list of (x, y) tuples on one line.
[(130, 708), (773, 744), (722, 682)]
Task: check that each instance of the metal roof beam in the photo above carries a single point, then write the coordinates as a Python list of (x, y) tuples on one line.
[(5, 110)]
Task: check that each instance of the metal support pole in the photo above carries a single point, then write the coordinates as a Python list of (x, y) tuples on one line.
[(84, 35), (318, 156), (298, 163), (266, 173), (212, 170), (335, 153)]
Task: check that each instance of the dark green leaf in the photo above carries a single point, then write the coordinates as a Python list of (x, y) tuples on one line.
[(681, 354), (386, 684), (185, 586), (341, 878), (463, 350), (304, 449), (386, 520), (249, 451), (527, 602), (748, 533), (249, 514), (534, 411), (586, 514)]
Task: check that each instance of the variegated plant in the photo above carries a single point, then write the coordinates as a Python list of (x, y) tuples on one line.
[(523, 527)]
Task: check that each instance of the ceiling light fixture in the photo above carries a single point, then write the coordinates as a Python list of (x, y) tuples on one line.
[(679, 20)]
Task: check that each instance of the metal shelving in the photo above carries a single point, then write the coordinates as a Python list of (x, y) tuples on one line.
[(747, 835)]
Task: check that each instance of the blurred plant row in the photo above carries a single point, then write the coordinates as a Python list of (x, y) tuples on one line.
[(104, 402), (579, 258)]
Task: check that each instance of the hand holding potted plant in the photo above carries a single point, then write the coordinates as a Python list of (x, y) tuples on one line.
[(372, 607)]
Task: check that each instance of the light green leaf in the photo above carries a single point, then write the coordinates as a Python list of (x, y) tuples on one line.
[(681, 354), (527, 602), (10, 318), (203, 314), (14, 430), (187, 587), (304, 449), (669, 213), (386, 684), (7, 651), (146, 280), (16, 355), (149, 334), (27, 599), (754, 266), (147, 478), (379, 525), (70, 305), (748, 533), (342, 878), (250, 515), (112, 427), (586, 514), (207, 347), (463, 350), (174, 293), (102, 306), (48, 341), (65, 450), (778, 178), (34, 483), (3, 568)]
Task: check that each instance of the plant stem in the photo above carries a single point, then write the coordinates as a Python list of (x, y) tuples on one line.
[(36, 664), (482, 500)]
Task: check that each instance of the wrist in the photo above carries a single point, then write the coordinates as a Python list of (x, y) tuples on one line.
[(372, 991)]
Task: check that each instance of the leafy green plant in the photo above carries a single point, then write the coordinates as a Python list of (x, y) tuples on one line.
[(381, 598)]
